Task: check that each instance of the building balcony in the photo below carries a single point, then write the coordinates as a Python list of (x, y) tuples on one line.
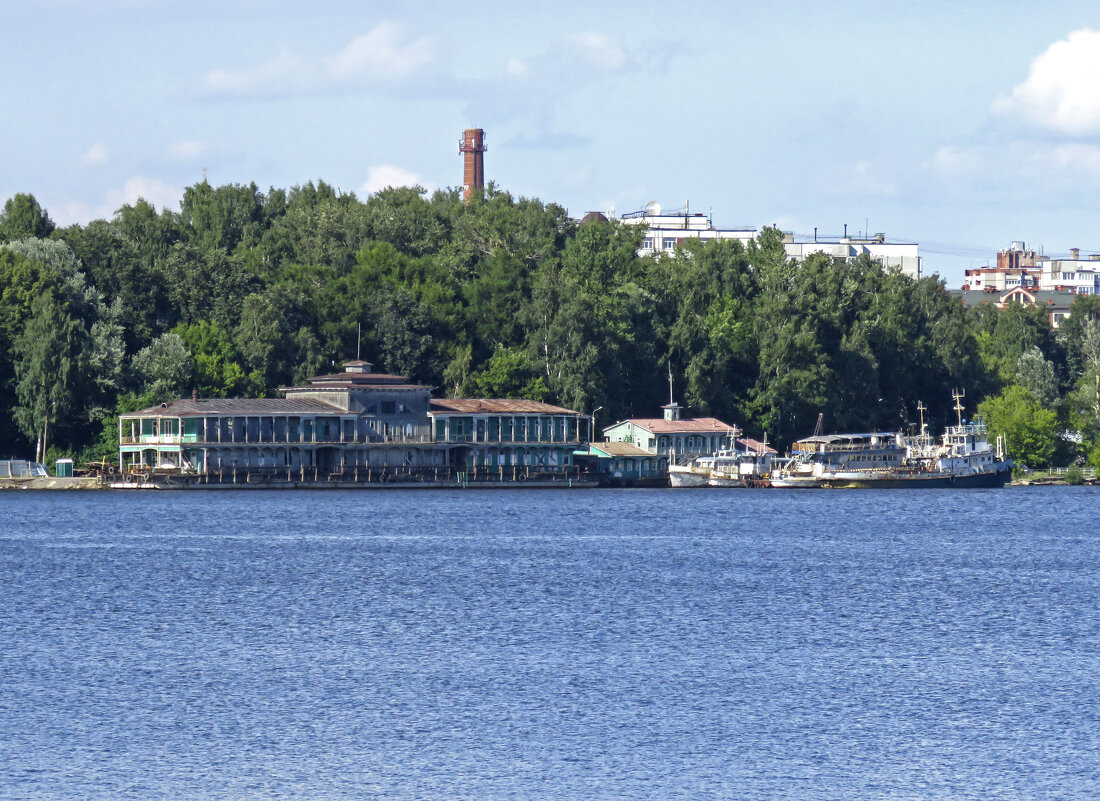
[(153, 439), (200, 442)]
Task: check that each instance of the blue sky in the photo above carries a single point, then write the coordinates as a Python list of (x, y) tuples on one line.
[(959, 126)]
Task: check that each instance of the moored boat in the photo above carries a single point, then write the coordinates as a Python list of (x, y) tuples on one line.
[(815, 460), (746, 464), (963, 458)]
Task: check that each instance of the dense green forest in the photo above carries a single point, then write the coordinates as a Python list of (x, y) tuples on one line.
[(241, 292)]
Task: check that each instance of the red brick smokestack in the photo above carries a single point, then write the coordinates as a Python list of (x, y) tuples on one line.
[(473, 165)]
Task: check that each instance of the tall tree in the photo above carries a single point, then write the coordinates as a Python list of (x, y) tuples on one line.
[(1030, 431), (46, 369), (23, 217)]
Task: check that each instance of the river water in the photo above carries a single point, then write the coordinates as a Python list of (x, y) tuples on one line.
[(522, 644)]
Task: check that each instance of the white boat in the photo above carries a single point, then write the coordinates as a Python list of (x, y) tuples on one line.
[(691, 474), (963, 458), (814, 459), (746, 464)]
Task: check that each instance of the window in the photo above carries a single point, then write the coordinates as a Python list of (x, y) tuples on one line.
[(670, 244), (647, 243)]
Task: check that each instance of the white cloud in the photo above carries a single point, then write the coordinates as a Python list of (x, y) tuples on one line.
[(152, 190), (1060, 92), (159, 193), (387, 175), (516, 68), (284, 74), (186, 151), (385, 53), (96, 155), (863, 178), (575, 60), (600, 51), (1078, 159), (1031, 170), (951, 159)]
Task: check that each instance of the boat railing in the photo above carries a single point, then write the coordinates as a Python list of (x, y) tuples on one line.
[(975, 428)]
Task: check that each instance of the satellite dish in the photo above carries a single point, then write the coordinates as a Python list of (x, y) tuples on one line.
[(652, 208)]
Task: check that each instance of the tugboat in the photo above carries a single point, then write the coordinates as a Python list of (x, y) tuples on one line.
[(963, 458)]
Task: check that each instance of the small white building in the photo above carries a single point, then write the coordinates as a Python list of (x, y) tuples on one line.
[(997, 279), (903, 256), (1075, 274), (665, 230), (681, 438)]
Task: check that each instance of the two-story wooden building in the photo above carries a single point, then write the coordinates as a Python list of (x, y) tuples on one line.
[(506, 433), (679, 438), (357, 418), (357, 423)]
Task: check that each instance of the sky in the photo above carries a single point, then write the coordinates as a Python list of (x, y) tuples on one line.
[(960, 126)]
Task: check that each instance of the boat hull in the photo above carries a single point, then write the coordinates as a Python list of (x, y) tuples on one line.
[(795, 482), (687, 478), (993, 479)]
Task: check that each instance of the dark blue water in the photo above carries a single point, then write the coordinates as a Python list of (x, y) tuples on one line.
[(550, 645)]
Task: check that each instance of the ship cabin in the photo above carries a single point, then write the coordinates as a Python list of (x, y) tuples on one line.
[(966, 438), (853, 451)]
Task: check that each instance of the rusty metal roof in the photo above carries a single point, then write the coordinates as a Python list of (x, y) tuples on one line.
[(236, 406), (621, 449), (496, 406), (689, 425), (348, 385), (748, 443)]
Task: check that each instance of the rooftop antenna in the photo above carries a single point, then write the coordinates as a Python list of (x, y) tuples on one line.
[(958, 395), (670, 400), (820, 424), (358, 341), (733, 433)]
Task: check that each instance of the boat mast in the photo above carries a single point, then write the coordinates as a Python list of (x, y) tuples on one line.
[(958, 395)]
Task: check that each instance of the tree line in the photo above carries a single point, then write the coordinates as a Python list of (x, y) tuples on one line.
[(241, 292)]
